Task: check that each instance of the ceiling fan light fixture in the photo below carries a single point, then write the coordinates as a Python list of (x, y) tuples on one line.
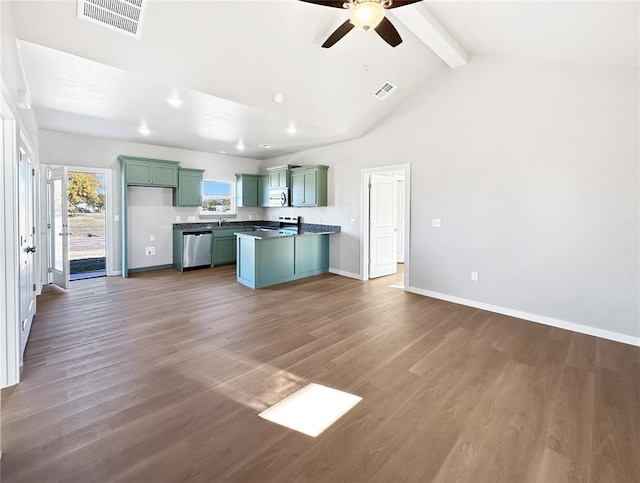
[(366, 15)]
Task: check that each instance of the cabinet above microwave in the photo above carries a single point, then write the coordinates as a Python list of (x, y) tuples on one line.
[(280, 176)]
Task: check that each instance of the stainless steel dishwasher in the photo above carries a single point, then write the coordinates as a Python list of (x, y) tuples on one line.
[(196, 249)]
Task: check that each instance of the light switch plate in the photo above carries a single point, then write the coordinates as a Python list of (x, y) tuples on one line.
[(436, 222)]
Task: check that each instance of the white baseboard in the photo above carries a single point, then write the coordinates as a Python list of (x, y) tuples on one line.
[(540, 319), (114, 273), (345, 274)]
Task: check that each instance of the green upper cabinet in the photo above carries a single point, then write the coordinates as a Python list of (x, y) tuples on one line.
[(189, 190), (263, 190), (247, 190), (149, 172), (309, 186), (278, 177)]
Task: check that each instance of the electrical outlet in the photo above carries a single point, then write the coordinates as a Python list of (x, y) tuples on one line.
[(436, 223), (474, 276), (152, 238), (116, 218), (353, 222), (150, 251), (250, 217), (191, 218), (319, 219), (178, 219)]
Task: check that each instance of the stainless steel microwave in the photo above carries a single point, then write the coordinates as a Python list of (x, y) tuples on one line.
[(279, 197)]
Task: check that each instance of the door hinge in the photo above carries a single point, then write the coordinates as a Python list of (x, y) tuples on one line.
[(34, 287), (33, 172)]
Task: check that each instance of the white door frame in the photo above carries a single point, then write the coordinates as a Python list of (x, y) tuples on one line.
[(383, 225), (364, 225), (400, 179), (9, 256), (59, 228), (108, 209), (27, 217)]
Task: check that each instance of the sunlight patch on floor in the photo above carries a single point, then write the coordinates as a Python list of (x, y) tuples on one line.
[(312, 409)]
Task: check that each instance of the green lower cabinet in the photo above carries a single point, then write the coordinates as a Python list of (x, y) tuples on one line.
[(261, 263), (224, 250), (224, 246), (311, 255)]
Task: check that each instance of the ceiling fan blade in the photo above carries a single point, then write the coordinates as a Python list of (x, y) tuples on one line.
[(339, 4), (340, 32), (396, 3), (388, 32)]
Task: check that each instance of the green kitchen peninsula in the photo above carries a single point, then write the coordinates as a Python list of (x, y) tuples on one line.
[(271, 257)]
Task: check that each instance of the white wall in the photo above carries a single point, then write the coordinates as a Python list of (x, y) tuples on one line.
[(14, 121), (150, 209), (533, 169)]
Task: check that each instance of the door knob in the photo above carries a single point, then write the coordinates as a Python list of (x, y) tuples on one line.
[(31, 249)]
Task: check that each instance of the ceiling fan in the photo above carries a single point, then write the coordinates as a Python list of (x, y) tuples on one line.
[(365, 15)]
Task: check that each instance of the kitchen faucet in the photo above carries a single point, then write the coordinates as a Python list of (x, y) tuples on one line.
[(221, 221)]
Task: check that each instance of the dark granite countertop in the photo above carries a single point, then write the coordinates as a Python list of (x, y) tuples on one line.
[(213, 225), (304, 229), (268, 234)]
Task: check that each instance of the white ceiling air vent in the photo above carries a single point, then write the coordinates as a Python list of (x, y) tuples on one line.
[(385, 91), (122, 15)]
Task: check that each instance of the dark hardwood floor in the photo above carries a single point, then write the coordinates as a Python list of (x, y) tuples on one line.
[(160, 378)]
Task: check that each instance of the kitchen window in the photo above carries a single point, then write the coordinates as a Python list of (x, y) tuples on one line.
[(218, 198)]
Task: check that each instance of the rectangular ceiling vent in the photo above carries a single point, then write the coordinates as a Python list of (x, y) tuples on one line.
[(385, 91), (122, 15)]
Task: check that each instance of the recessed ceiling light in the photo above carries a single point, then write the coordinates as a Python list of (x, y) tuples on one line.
[(143, 130), (222, 152), (266, 146), (174, 101), (292, 130), (240, 146), (278, 97)]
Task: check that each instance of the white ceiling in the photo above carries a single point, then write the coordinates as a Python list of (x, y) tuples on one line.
[(586, 32), (225, 59)]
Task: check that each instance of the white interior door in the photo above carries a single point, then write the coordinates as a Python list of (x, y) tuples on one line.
[(26, 243), (59, 228), (400, 220), (383, 242)]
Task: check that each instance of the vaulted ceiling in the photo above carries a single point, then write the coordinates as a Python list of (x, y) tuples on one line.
[(225, 59)]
